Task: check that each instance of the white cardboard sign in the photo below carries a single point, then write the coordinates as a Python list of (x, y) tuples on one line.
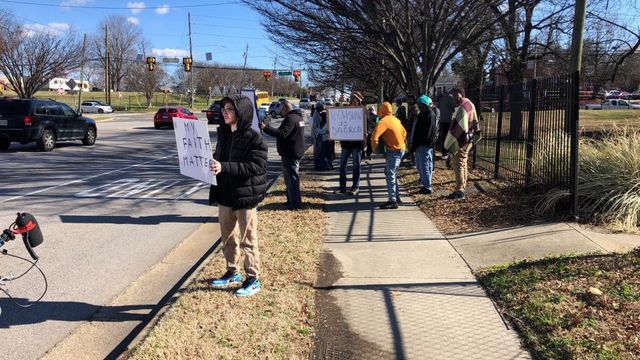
[(346, 123), (194, 149)]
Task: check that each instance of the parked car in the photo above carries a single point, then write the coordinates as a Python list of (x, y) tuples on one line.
[(214, 112), (328, 101), (613, 94), (304, 103), (95, 107), (274, 109), (44, 121), (635, 95), (164, 116), (624, 95), (612, 104), (265, 106)]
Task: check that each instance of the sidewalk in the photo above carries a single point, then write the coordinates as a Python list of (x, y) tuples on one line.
[(392, 286)]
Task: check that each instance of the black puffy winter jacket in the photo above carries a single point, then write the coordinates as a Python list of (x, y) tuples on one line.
[(242, 182)]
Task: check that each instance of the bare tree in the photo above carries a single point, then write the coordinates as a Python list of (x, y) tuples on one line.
[(145, 81), (410, 42), (617, 38), (124, 40), (29, 58)]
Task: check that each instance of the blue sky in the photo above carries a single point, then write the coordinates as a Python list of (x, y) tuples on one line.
[(222, 27)]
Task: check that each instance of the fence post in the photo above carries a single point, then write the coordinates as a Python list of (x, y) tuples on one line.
[(478, 106), (496, 170), (530, 132), (575, 142)]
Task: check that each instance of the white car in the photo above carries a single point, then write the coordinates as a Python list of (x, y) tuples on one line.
[(95, 107), (304, 103), (613, 104), (265, 106)]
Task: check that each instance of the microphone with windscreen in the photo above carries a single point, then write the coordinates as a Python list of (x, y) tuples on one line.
[(27, 226)]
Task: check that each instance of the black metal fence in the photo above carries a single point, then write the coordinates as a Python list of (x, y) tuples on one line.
[(530, 131)]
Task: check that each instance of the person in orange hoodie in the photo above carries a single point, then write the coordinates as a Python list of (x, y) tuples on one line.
[(394, 136)]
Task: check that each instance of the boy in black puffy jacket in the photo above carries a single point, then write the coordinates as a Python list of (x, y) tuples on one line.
[(240, 166)]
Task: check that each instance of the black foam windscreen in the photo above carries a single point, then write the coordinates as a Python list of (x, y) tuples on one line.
[(34, 234)]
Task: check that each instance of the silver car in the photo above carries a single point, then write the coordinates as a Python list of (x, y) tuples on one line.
[(95, 106)]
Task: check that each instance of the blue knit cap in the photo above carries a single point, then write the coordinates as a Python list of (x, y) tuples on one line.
[(424, 99)]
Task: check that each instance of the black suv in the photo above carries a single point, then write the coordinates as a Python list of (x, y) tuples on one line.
[(214, 113), (42, 121)]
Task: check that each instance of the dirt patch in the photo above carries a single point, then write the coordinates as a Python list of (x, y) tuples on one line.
[(334, 339), (490, 203)]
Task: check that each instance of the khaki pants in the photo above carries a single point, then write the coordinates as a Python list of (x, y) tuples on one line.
[(239, 229), (459, 164)]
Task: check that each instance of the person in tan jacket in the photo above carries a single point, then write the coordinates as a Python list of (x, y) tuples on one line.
[(394, 135)]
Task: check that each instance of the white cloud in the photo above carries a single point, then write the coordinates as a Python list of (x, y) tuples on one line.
[(170, 52), (66, 3), (164, 9), (55, 29), (133, 20), (135, 7)]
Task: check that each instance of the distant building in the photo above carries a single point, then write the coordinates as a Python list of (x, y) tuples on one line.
[(57, 83), (446, 83)]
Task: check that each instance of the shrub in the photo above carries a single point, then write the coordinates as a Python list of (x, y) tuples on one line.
[(609, 181)]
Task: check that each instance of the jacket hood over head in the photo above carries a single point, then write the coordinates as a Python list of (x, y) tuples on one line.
[(244, 110), (385, 109)]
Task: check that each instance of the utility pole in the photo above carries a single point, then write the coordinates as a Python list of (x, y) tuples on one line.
[(84, 45), (572, 111), (275, 60), (191, 57), (244, 67), (578, 35), (107, 78)]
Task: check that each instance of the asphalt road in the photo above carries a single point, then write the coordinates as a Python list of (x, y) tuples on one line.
[(108, 213)]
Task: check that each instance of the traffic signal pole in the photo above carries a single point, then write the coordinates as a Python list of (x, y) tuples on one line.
[(84, 46), (191, 57)]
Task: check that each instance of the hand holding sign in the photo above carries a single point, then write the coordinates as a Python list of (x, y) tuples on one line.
[(195, 154)]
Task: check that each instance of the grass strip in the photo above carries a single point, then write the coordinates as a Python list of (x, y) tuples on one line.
[(585, 307), (276, 323)]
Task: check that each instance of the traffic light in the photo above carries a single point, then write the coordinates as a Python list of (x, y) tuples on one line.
[(296, 75), (151, 63), (187, 63), (266, 75)]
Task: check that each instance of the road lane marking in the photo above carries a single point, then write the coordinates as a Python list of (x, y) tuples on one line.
[(85, 179)]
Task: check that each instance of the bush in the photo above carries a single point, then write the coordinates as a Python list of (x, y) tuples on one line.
[(609, 181)]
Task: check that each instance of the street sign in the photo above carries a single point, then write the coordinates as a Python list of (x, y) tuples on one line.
[(284, 73), (174, 60), (208, 56), (60, 91), (71, 84)]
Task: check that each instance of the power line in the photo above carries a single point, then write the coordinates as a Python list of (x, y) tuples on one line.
[(119, 7)]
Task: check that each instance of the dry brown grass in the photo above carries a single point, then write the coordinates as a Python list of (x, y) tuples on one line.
[(277, 323), (501, 205)]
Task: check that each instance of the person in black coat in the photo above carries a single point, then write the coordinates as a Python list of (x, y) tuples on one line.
[(290, 142), (422, 140), (240, 165)]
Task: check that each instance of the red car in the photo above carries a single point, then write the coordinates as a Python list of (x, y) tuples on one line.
[(165, 115)]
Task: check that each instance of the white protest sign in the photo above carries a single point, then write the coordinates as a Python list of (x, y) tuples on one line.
[(194, 149), (251, 94), (346, 123)]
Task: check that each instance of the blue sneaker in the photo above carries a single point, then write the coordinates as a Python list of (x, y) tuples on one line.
[(229, 278), (249, 287)]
